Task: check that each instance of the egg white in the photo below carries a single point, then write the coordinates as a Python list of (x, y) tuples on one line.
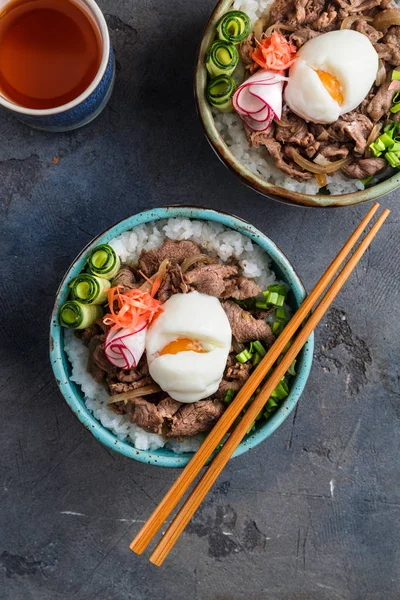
[(189, 376), (347, 55)]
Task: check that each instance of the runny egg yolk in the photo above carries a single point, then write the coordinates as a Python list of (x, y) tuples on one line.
[(331, 85), (182, 345)]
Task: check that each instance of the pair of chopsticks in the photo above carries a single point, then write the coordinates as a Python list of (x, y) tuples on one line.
[(296, 325)]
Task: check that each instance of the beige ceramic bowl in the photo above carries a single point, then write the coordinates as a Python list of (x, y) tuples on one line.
[(256, 182)]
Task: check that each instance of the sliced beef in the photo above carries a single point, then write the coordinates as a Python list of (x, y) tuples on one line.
[(382, 101), (176, 252), (258, 138), (274, 149), (85, 335), (145, 414), (364, 27), (168, 407), (121, 388), (242, 288), (334, 151), (98, 365), (364, 168), (365, 5), (212, 279), (125, 278), (293, 130), (327, 21), (246, 47), (238, 372), (303, 35), (282, 10), (225, 386), (313, 10), (173, 283), (197, 417), (312, 149), (353, 126), (319, 131), (128, 376), (245, 328)]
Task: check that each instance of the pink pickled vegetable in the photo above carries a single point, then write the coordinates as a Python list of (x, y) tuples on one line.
[(258, 101), (124, 347)]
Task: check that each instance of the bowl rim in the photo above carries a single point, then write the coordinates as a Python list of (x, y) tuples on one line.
[(256, 182), (59, 362)]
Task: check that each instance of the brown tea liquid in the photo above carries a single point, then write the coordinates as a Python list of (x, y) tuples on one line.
[(50, 52)]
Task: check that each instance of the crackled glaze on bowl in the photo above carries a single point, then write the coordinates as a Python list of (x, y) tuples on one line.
[(72, 393), (256, 182)]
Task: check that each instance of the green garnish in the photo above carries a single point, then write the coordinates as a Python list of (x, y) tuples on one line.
[(257, 358), (79, 316), (222, 58), (220, 91), (388, 144), (230, 394), (88, 289), (395, 75), (281, 391), (104, 262), (234, 27), (258, 347), (244, 356)]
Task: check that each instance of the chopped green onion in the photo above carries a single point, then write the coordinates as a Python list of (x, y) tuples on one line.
[(392, 158), (234, 27), (291, 369), (281, 391), (257, 358), (281, 314), (277, 328), (386, 140), (262, 305), (229, 396), (222, 58), (89, 289), (258, 347), (279, 288), (390, 127), (395, 75), (270, 407), (104, 262), (244, 356), (367, 180), (219, 92), (396, 103), (79, 316)]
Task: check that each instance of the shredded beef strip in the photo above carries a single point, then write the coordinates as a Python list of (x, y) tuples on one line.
[(364, 27), (293, 130), (125, 278), (364, 167), (352, 126), (246, 47), (274, 149), (168, 407), (303, 35), (173, 283), (382, 101), (145, 415), (334, 151), (245, 328), (212, 279), (121, 388), (98, 364), (195, 418), (327, 21), (176, 252)]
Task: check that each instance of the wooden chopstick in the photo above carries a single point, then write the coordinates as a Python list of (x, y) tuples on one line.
[(193, 468), (194, 500)]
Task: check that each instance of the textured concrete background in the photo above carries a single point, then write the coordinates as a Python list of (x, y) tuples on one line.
[(311, 514)]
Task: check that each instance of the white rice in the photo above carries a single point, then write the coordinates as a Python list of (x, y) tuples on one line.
[(219, 241), (258, 160)]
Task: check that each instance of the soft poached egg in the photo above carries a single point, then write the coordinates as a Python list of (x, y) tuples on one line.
[(187, 346), (332, 74)]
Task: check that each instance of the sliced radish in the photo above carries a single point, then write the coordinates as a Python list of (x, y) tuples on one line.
[(124, 348), (259, 99)]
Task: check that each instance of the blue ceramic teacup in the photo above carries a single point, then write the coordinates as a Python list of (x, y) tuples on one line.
[(86, 107)]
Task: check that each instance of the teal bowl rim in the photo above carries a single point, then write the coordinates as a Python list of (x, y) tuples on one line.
[(73, 394), (256, 182)]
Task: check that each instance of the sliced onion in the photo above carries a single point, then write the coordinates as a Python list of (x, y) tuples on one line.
[(188, 262), (312, 167), (375, 131), (386, 19), (259, 28), (272, 28), (347, 22), (321, 179), (381, 74), (146, 390), (147, 285)]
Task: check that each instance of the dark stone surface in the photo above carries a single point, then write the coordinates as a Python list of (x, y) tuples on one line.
[(311, 514)]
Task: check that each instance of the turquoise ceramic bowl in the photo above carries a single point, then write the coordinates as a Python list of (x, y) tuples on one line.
[(73, 394)]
